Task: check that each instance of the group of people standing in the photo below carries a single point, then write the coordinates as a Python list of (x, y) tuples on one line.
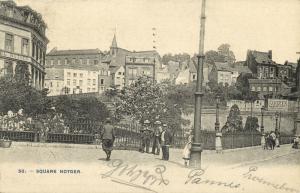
[(160, 136), (271, 140)]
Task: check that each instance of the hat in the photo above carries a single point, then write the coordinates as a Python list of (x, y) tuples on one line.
[(146, 122), (157, 122), (164, 125), (107, 120)]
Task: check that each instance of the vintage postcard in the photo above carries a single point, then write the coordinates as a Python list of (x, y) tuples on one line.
[(161, 96)]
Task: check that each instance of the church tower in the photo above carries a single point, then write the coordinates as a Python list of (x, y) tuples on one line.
[(114, 46)]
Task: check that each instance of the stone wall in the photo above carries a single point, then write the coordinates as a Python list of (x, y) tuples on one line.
[(209, 118)]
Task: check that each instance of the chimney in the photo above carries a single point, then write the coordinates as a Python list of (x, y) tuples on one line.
[(270, 54)]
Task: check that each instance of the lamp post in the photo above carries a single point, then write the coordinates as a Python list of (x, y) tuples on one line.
[(262, 129), (217, 127), (276, 130), (196, 149)]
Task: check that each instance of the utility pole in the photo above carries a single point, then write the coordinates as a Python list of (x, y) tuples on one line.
[(195, 161)]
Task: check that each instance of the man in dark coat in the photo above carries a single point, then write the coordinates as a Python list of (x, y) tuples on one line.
[(146, 136), (108, 138), (156, 138), (166, 140)]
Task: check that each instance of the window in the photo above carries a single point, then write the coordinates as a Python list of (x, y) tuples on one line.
[(102, 81), (194, 76), (81, 75), (265, 88), (94, 81), (258, 88), (119, 73), (96, 61), (271, 88), (25, 47), (68, 74), (51, 84), (33, 49), (83, 61), (88, 89), (80, 83), (253, 88), (89, 82), (74, 74), (102, 88), (94, 89), (68, 82), (132, 73), (9, 42), (73, 60), (74, 82)]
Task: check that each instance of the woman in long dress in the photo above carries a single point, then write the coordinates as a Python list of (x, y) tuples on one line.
[(187, 150)]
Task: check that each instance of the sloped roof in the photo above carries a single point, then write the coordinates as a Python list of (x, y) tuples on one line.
[(55, 52), (114, 69), (239, 67), (262, 57)]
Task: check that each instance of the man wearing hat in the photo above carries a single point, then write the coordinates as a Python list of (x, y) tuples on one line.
[(146, 136), (108, 138), (166, 139), (156, 137)]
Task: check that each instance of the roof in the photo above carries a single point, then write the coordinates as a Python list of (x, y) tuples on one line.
[(79, 67), (262, 57), (55, 52), (114, 42), (237, 67), (114, 69)]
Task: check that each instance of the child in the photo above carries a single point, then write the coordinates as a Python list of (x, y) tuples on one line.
[(187, 149)]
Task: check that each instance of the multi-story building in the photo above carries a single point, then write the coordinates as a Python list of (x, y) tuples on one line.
[(117, 57), (136, 66), (22, 41), (72, 80), (81, 62), (118, 77)]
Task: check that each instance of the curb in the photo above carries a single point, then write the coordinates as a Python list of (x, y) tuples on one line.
[(55, 145)]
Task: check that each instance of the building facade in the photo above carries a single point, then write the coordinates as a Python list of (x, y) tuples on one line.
[(136, 66), (69, 80), (82, 64), (118, 77), (22, 41)]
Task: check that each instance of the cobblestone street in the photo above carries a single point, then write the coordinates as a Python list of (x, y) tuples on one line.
[(279, 166)]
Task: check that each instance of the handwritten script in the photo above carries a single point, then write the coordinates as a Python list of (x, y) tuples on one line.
[(196, 176), (251, 176), (132, 175)]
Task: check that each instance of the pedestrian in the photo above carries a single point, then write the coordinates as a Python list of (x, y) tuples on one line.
[(166, 139), (273, 139), (187, 149), (108, 138), (156, 138), (296, 143), (146, 136)]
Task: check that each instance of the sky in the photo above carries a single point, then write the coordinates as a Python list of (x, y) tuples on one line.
[(260, 25)]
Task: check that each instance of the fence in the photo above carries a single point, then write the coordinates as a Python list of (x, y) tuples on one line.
[(128, 137)]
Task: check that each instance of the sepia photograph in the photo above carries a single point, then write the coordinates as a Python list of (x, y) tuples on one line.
[(150, 96)]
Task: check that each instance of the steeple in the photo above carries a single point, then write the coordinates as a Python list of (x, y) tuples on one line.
[(114, 46), (114, 42)]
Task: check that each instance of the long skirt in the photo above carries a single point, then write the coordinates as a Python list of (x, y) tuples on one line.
[(107, 144), (187, 151)]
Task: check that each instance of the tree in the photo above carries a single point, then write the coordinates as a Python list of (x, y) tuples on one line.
[(146, 99), (212, 56), (224, 50), (88, 108), (15, 94), (251, 124), (234, 120), (22, 74)]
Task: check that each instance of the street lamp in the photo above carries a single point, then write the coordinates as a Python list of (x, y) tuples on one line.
[(262, 129), (217, 127), (277, 130), (196, 149)]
